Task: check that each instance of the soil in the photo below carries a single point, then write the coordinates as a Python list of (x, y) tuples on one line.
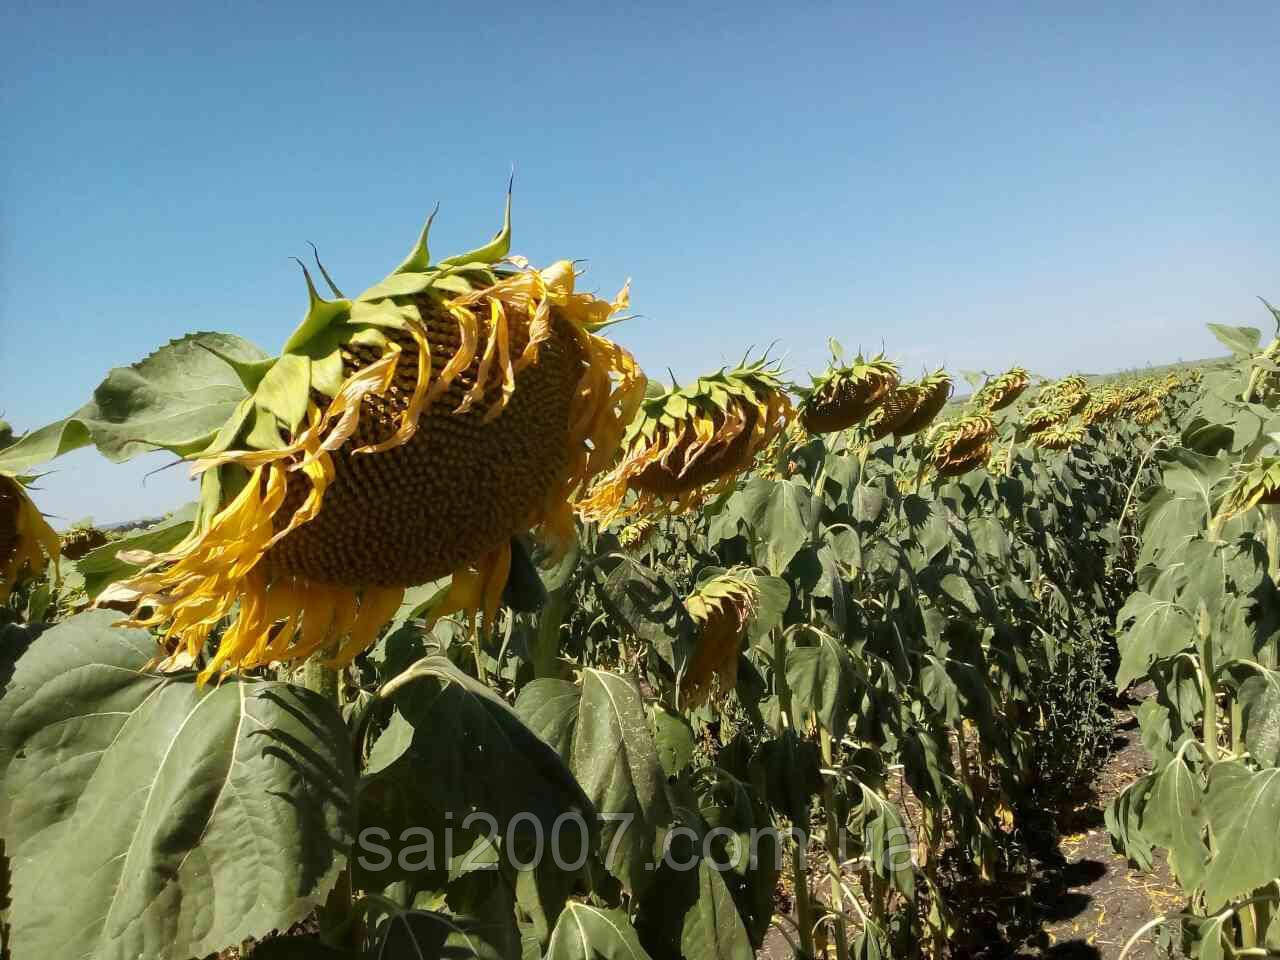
[(1080, 901)]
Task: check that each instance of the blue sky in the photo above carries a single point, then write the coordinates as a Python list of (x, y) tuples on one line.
[(1080, 187)]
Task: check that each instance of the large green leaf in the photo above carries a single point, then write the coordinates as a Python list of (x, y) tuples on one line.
[(433, 935), (176, 399), (778, 513), (584, 932), (822, 682), (1243, 808), (1160, 629), (453, 754), (691, 913), (601, 730), (173, 820), (1241, 341), (649, 607), (1259, 699), (104, 566), (1173, 817), (888, 841)]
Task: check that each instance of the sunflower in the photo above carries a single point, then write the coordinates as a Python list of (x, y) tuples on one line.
[(691, 443), (1060, 436), (1253, 484), (635, 535), (929, 395), (722, 606), (1044, 416), (998, 392), (402, 436), (897, 408), (1071, 393), (25, 536), (1103, 409), (846, 395), (958, 446)]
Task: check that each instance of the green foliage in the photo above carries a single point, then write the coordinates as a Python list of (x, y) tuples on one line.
[(171, 819)]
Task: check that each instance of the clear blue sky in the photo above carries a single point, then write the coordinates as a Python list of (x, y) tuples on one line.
[(968, 184)]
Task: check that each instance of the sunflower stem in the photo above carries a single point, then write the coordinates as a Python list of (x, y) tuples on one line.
[(336, 921)]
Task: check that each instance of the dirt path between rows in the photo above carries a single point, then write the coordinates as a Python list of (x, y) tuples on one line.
[(1098, 901), (1085, 901)]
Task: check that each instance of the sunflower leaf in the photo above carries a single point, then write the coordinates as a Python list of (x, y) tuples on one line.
[(175, 820), (176, 399)]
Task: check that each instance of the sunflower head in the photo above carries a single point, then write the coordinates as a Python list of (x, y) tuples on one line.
[(1060, 436), (78, 541), (1103, 408), (1252, 484), (1071, 393), (635, 535), (845, 395), (722, 607), (1043, 416), (958, 446), (690, 443), (929, 395), (26, 539), (401, 436), (998, 392)]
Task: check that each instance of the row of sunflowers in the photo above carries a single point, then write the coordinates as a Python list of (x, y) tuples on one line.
[(454, 554)]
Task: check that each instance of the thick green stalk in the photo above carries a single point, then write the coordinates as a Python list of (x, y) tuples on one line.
[(833, 845), (1271, 517), (335, 916), (1209, 689), (800, 848)]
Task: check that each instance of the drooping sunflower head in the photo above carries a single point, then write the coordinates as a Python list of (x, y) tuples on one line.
[(958, 446), (722, 606), (1148, 413), (846, 394), (929, 396), (27, 542), (1252, 484), (691, 443), (635, 535), (894, 411), (1045, 415), (1060, 436), (79, 540), (998, 392), (1104, 408), (402, 436), (1070, 392)]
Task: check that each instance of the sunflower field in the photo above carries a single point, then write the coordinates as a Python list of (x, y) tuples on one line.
[(477, 642)]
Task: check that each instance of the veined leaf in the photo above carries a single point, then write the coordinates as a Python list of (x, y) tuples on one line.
[(176, 399), (584, 932), (1259, 699), (1173, 817), (600, 729), (778, 513), (822, 682), (1241, 341), (1243, 808), (174, 820), (1160, 628)]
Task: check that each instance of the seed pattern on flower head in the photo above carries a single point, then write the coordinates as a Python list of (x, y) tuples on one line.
[(958, 446), (691, 443), (407, 435), (844, 396), (998, 392), (723, 607)]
